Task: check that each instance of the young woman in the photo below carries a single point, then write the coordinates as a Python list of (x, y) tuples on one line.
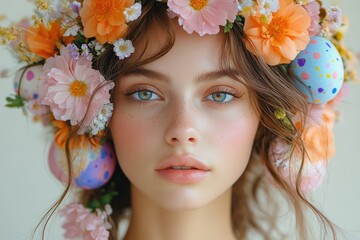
[(209, 116)]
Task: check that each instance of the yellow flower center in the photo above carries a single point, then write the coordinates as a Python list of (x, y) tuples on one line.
[(277, 28), (36, 106), (78, 88), (123, 48), (130, 11), (198, 4)]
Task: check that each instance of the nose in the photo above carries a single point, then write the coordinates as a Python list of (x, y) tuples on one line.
[(182, 126)]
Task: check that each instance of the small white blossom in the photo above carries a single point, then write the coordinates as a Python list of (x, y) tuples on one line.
[(132, 13), (101, 120), (246, 7), (268, 6), (96, 46), (123, 49), (85, 51), (72, 31), (103, 215)]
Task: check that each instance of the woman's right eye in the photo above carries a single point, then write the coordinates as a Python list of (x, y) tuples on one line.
[(144, 95)]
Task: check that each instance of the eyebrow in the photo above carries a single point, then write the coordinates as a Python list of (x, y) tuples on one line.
[(204, 77)]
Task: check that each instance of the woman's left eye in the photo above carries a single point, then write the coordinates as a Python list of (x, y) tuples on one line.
[(144, 95), (221, 97)]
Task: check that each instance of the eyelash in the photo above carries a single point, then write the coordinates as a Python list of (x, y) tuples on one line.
[(130, 92), (234, 93)]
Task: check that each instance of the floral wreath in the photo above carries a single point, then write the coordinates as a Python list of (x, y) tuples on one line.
[(57, 82)]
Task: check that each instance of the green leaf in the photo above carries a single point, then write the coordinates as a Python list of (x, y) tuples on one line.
[(106, 199), (94, 204), (228, 27), (80, 39), (15, 101)]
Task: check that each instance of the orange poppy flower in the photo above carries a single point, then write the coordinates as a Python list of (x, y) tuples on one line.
[(105, 19), (280, 40), (43, 41)]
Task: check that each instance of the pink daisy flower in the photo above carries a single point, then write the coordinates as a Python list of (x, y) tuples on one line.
[(80, 222), (69, 84), (203, 16)]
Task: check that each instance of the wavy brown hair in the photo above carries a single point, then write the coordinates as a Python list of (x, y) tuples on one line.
[(271, 88)]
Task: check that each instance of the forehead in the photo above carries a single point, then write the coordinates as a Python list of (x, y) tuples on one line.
[(189, 52)]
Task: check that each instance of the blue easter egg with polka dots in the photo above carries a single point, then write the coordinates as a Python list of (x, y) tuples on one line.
[(320, 69), (93, 166)]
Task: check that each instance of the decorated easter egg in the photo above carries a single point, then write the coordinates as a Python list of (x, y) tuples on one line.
[(92, 166), (320, 69), (28, 80)]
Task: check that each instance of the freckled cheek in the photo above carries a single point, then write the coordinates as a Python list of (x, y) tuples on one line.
[(132, 135), (235, 139)]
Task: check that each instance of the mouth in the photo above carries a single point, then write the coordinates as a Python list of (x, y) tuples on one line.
[(185, 162), (182, 169)]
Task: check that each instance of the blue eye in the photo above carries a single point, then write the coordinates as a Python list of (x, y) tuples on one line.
[(221, 97), (145, 95)]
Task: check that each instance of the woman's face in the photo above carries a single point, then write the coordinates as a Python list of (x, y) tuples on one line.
[(183, 130)]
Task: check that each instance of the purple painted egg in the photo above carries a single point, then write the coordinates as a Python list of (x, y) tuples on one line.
[(320, 68), (28, 80), (93, 167)]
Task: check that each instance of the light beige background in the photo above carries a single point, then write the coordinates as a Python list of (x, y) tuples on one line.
[(27, 188)]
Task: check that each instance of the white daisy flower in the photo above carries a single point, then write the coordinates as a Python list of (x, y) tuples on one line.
[(123, 49), (132, 13)]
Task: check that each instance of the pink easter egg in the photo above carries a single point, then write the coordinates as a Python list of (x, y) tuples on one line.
[(28, 80), (93, 167)]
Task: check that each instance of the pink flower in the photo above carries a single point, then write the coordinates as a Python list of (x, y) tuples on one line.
[(80, 222), (203, 16), (69, 84), (313, 172), (313, 9)]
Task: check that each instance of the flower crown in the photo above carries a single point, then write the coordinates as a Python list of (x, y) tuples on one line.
[(58, 85)]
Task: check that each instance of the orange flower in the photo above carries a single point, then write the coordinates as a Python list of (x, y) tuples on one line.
[(43, 41), (280, 40), (62, 134), (78, 141), (319, 142), (105, 19)]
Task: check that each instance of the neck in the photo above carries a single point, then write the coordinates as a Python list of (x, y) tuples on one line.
[(150, 221)]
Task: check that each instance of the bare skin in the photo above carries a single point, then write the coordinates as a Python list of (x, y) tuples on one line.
[(176, 108)]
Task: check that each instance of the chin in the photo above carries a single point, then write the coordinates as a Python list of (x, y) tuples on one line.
[(187, 198)]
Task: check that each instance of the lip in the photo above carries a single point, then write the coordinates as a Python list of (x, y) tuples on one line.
[(194, 171)]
